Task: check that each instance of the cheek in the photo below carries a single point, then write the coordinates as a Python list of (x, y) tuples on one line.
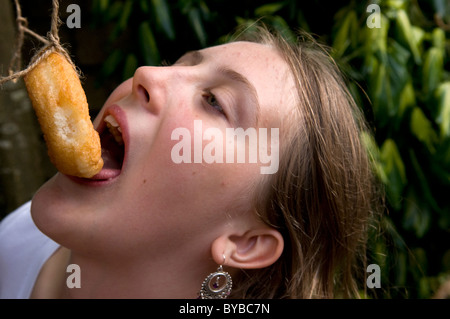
[(164, 184), (119, 93)]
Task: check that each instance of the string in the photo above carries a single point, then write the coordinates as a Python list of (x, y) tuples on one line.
[(51, 44)]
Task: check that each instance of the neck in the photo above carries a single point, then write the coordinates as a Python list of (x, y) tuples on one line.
[(158, 278)]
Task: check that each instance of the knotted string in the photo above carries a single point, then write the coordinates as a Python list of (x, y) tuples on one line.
[(51, 44)]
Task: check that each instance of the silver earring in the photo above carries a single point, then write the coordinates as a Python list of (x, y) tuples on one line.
[(217, 285)]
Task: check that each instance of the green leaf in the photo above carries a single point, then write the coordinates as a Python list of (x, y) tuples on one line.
[(406, 33), (104, 4), (438, 38), (268, 9), (432, 70), (388, 77), (282, 27), (302, 22), (100, 6), (197, 25), (248, 25), (423, 184), (380, 94), (386, 86), (418, 35), (131, 64), (380, 254), (206, 13), (395, 171), (401, 268), (374, 156), (443, 115), (122, 11), (144, 6), (396, 4), (375, 39), (148, 45), (125, 16), (111, 63), (416, 217), (163, 17), (370, 66), (397, 61), (391, 231), (407, 98), (342, 40), (422, 128), (420, 258), (113, 11)]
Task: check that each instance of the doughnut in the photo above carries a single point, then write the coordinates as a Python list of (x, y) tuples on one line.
[(62, 110)]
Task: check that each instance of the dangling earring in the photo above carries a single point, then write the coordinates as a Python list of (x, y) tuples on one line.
[(217, 285)]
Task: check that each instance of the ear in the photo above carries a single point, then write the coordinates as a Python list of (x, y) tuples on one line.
[(257, 248)]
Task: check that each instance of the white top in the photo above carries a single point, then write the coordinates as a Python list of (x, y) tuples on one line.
[(23, 251)]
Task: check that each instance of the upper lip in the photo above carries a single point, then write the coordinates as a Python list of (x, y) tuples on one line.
[(119, 115)]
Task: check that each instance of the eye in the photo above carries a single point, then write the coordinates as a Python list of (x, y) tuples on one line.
[(213, 102)]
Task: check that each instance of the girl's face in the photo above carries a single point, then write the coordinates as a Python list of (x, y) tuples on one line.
[(148, 201)]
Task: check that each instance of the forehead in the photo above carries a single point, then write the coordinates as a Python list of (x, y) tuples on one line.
[(265, 69)]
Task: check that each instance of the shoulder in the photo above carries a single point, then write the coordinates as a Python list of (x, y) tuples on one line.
[(23, 251), (18, 218)]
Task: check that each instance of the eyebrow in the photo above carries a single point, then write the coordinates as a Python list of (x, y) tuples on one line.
[(196, 57)]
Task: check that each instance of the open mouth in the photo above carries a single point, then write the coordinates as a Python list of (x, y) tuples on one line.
[(113, 150), (113, 144)]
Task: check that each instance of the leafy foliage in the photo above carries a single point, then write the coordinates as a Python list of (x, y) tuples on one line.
[(398, 74), (402, 67)]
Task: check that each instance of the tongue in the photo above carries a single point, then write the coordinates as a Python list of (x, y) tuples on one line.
[(111, 167)]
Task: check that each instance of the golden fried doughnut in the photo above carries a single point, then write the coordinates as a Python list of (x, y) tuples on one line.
[(62, 110)]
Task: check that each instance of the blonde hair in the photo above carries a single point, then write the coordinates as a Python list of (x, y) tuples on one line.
[(321, 199)]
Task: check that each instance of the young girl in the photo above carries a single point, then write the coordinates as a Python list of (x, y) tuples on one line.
[(150, 225)]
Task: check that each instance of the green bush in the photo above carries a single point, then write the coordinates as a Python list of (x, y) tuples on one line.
[(403, 68)]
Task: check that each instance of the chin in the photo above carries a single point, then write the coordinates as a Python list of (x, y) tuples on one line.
[(71, 215), (47, 207), (54, 211)]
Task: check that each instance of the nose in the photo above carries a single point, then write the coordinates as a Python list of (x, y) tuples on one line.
[(149, 87)]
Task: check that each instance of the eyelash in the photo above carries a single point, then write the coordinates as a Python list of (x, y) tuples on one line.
[(216, 105)]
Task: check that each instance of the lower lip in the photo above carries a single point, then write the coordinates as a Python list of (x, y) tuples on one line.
[(92, 182)]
